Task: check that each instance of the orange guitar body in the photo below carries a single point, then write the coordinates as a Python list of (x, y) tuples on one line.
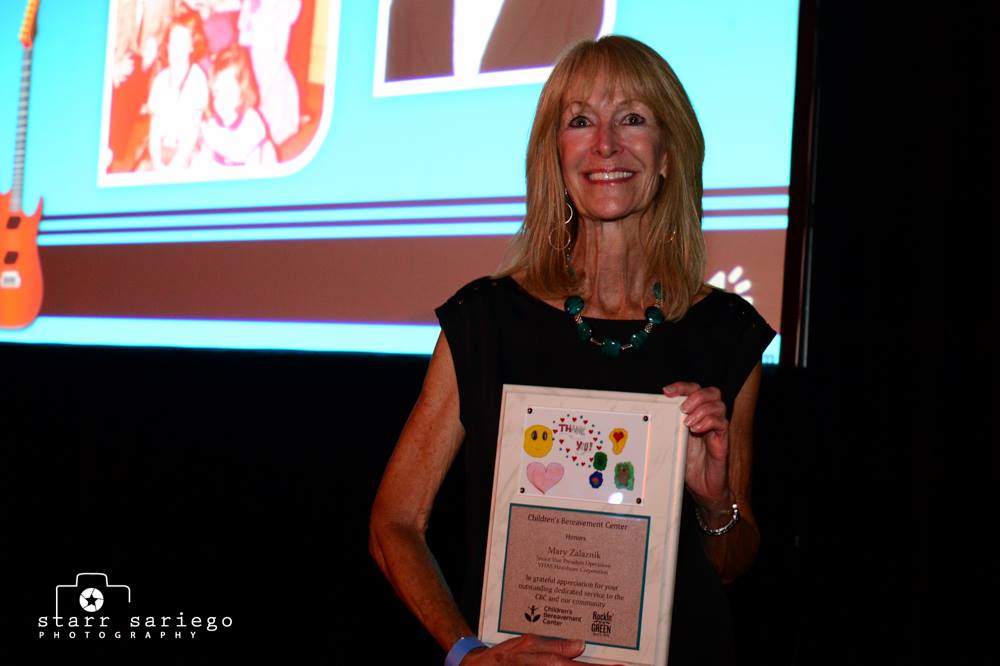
[(20, 268)]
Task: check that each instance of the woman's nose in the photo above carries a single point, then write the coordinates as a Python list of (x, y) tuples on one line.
[(606, 140)]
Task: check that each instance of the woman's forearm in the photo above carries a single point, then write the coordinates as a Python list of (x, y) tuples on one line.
[(732, 553), (402, 554)]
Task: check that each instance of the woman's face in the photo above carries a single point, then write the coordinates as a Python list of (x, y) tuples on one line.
[(179, 47), (612, 154)]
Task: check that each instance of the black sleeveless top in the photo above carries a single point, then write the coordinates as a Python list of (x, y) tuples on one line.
[(500, 334)]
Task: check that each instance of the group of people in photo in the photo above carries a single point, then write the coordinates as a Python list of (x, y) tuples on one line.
[(201, 83)]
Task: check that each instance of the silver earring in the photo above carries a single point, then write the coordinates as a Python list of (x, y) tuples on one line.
[(564, 246)]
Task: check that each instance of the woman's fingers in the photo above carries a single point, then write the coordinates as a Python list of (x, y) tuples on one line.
[(530, 650), (703, 408), (707, 416), (680, 388)]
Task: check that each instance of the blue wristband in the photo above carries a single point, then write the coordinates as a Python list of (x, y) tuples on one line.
[(462, 647)]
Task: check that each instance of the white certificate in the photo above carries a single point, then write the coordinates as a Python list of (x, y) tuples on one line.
[(584, 521)]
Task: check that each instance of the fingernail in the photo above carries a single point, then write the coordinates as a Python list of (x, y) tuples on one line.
[(576, 645)]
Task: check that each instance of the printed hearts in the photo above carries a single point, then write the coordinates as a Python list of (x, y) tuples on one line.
[(617, 435), (544, 477)]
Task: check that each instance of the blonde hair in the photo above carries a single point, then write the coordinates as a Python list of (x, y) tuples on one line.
[(671, 244)]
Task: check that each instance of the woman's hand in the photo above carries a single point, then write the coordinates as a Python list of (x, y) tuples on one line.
[(706, 471), (528, 650)]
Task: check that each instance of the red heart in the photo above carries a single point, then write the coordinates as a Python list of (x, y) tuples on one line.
[(574, 418), (574, 457), (599, 447), (591, 431), (561, 440), (595, 439), (585, 420), (591, 458), (561, 418), (617, 436)]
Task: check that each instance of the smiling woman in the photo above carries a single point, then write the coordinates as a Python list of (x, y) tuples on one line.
[(602, 289), (616, 138)]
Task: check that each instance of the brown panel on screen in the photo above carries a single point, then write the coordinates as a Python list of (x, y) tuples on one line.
[(533, 34), (365, 280), (761, 256), (420, 39)]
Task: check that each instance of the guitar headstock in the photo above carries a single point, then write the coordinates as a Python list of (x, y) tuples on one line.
[(27, 34)]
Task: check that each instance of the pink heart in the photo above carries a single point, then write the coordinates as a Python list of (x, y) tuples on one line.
[(544, 477)]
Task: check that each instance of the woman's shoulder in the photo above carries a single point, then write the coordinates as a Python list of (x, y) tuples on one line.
[(480, 289), (723, 310)]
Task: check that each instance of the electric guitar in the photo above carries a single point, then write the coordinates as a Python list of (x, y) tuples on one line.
[(20, 268)]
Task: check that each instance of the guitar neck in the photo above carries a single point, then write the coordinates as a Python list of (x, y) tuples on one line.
[(22, 131)]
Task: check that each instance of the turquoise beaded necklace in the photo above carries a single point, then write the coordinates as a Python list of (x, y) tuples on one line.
[(610, 347)]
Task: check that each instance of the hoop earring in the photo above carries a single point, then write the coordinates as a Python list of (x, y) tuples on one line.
[(565, 246), (569, 207)]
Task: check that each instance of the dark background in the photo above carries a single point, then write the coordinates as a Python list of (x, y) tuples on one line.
[(234, 483)]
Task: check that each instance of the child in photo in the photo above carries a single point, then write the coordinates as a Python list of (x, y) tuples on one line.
[(233, 133)]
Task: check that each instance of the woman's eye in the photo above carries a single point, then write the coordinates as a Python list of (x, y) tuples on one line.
[(633, 119), (578, 121)]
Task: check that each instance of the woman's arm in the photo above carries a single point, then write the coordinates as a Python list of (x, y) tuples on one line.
[(718, 467), (732, 553), (426, 449)]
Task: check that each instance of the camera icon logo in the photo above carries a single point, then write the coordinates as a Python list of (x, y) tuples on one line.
[(91, 600), (91, 592)]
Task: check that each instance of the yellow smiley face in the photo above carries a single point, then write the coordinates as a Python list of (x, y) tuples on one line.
[(537, 441)]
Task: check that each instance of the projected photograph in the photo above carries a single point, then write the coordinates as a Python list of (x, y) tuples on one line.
[(203, 89), (438, 45)]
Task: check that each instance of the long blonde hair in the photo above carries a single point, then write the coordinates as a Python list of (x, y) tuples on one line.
[(672, 244)]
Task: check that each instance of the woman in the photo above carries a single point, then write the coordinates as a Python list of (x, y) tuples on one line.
[(613, 226), (178, 96)]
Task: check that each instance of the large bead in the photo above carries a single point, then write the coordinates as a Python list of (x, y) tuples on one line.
[(574, 305), (638, 339), (654, 315), (583, 330), (611, 347)]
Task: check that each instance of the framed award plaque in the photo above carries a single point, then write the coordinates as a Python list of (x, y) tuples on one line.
[(584, 521)]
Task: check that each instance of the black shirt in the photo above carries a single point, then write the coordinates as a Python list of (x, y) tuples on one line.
[(500, 334)]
